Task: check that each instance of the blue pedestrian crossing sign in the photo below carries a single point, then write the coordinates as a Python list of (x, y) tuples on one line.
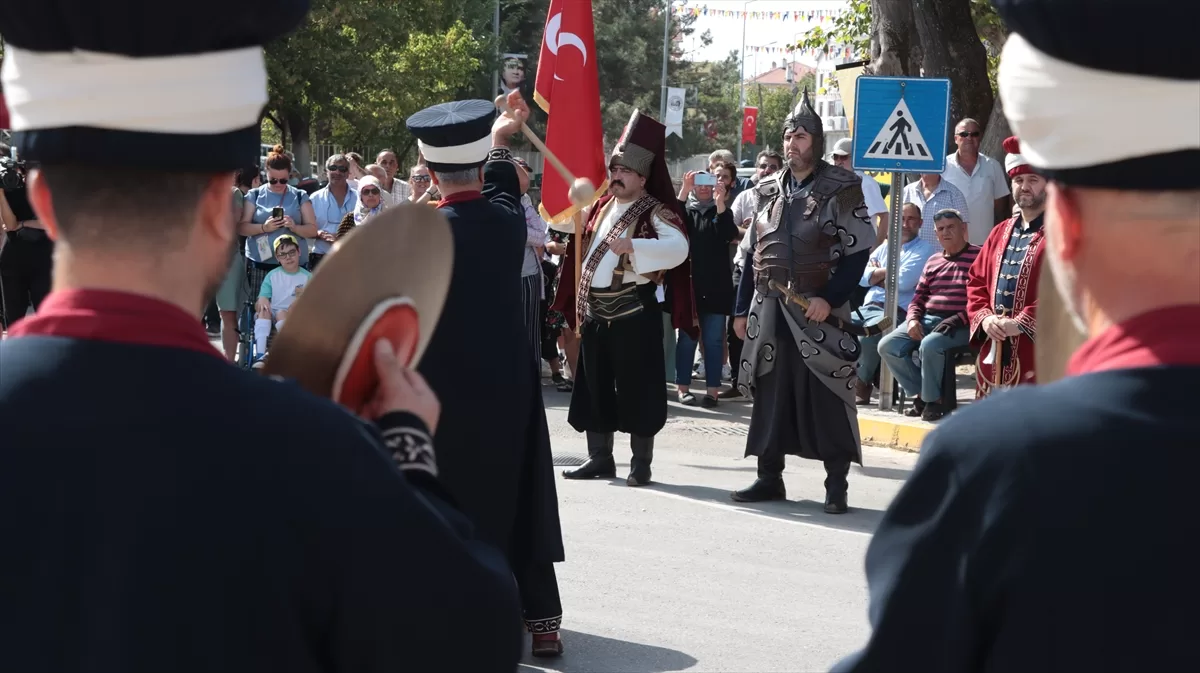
[(901, 124)]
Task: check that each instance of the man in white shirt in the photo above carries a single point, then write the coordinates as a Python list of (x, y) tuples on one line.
[(981, 179), (876, 208)]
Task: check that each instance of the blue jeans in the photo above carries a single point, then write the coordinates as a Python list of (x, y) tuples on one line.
[(868, 356), (897, 348), (712, 333)]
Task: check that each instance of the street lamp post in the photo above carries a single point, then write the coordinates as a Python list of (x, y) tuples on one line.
[(662, 99), (742, 84)]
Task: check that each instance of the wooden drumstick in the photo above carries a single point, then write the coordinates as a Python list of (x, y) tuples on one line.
[(582, 191)]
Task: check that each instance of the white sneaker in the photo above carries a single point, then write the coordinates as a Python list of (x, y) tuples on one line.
[(726, 373), (700, 370)]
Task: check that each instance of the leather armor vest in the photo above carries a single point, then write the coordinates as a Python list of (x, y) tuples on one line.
[(792, 245)]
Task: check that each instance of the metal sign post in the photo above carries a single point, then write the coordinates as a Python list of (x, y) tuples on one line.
[(906, 123), (892, 281)]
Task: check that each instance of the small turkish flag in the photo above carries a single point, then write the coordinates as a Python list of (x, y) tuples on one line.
[(749, 124)]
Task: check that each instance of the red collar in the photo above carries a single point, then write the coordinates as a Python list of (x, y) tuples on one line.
[(117, 317), (1166, 336), (459, 197)]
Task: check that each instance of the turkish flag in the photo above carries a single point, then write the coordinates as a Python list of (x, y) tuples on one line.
[(749, 124), (4, 122), (567, 87)]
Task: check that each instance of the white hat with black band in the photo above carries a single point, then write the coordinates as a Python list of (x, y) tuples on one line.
[(454, 136), (123, 83), (1099, 96)]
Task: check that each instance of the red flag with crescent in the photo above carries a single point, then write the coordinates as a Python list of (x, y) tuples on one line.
[(749, 124), (567, 87)]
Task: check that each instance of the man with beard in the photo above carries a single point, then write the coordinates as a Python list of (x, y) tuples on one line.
[(162, 510), (1050, 528), (635, 238), (1002, 286), (813, 239)]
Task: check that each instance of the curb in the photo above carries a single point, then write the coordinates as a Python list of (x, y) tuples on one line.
[(892, 434)]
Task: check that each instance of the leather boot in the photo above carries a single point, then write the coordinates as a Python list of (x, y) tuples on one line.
[(862, 392), (836, 486), (600, 464), (639, 465), (768, 485)]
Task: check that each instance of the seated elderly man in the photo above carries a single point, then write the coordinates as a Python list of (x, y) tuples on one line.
[(937, 319), (914, 252)]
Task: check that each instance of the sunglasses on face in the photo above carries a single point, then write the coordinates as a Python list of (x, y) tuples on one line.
[(420, 178), (968, 134), (278, 181), (369, 191), (340, 169)]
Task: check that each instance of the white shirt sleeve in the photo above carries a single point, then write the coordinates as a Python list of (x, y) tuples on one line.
[(667, 251), (999, 180), (873, 196), (743, 206)]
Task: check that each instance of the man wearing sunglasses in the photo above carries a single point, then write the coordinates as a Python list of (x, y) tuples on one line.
[(331, 204), (981, 179)]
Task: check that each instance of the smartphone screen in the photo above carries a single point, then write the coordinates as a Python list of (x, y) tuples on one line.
[(277, 213), (705, 179)]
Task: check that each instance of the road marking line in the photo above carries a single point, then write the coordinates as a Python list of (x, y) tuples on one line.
[(755, 513)]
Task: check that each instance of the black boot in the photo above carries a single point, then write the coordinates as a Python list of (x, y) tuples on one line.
[(836, 486), (600, 464), (639, 465), (768, 486)]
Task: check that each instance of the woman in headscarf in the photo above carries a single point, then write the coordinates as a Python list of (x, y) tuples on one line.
[(370, 204)]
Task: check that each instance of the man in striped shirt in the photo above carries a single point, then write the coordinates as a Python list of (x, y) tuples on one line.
[(937, 318)]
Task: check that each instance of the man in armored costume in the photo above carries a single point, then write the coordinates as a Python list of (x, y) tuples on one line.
[(811, 241)]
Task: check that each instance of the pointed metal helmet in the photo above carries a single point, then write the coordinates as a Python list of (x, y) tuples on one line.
[(805, 117)]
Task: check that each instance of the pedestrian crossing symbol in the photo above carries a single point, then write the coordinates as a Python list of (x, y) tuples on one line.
[(901, 124), (899, 137)]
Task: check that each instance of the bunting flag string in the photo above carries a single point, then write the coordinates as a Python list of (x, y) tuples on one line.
[(817, 16), (833, 51)]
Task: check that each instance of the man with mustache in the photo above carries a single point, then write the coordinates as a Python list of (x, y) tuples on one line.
[(811, 235), (1003, 283), (635, 238), (1050, 528)]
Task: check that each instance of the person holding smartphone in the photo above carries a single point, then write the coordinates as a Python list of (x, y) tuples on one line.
[(271, 211)]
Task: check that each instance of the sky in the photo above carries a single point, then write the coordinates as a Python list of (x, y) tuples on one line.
[(727, 31)]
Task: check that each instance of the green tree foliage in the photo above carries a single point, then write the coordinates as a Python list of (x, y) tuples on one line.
[(774, 106), (853, 28), (713, 98), (357, 68)]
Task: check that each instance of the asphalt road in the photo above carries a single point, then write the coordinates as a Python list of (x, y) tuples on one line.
[(676, 577)]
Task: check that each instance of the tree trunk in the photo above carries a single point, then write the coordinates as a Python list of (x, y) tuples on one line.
[(892, 20), (952, 49), (996, 130), (297, 122)]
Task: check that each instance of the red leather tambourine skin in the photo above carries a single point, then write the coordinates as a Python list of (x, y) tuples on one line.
[(356, 379)]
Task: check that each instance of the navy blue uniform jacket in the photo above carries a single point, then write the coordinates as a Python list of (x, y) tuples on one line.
[(493, 442), (162, 510), (1046, 528)]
